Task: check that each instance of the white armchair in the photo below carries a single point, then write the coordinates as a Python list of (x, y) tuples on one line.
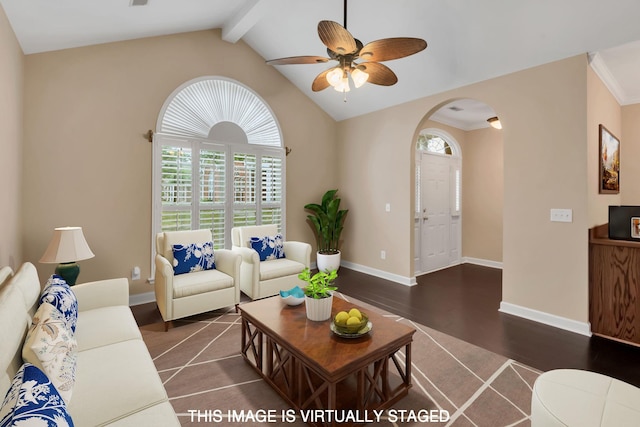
[(183, 295), (259, 279)]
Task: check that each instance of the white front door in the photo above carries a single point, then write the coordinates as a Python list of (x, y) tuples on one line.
[(435, 213)]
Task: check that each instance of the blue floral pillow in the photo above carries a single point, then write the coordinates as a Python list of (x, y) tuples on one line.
[(59, 294), (193, 257), (33, 400), (268, 247)]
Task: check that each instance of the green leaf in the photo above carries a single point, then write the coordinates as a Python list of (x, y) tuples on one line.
[(327, 220)]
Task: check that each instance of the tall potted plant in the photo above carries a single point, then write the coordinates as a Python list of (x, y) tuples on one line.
[(328, 220), (318, 293)]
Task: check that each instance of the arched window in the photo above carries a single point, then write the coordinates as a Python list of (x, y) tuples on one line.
[(433, 144), (218, 160)]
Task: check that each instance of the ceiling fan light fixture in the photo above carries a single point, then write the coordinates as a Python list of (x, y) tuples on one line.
[(345, 49), (359, 77), (343, 85), (335, 76), (494, 122)]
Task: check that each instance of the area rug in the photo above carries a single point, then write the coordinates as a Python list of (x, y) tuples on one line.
[(454, 383)]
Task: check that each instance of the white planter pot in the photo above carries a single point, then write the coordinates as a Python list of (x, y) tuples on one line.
[(318, 309), (326, 262)]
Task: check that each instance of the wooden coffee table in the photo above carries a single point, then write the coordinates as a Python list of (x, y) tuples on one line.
[(318, 372)]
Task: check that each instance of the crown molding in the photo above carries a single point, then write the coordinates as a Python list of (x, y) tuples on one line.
[(602, 71)]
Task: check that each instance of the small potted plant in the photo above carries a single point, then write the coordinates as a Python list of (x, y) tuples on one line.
[(318, 293), (327, 220)]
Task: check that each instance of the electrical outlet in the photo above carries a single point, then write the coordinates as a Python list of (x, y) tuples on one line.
[(561, 215), (387, 207), (383, 254), (135, 273)]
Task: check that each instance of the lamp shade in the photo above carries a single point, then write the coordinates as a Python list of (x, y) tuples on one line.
[(67, 245), (335, 76), (359, 77)]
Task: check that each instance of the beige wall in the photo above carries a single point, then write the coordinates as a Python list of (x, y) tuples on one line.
[(87, 108), (630, 153), (88, 165), (602, 108), (482, 194), (11, 122), (543, 110)]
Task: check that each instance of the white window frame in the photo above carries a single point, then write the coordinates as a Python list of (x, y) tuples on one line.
[(229, 205), (264, 138)]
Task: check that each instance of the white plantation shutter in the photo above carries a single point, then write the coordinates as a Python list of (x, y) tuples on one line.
[(258, 201), (202, 103), (272, 190), (212, 175), (176, 176), (245, 204), (176, 187), (244, 179), (211, 207), (202, 183)]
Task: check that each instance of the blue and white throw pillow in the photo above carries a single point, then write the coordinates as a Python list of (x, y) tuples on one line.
[(193, 257), (53, 348), (33, 401), (268, 247), (59, 294)]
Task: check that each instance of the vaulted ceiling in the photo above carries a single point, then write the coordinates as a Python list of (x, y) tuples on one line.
[(468, 40)]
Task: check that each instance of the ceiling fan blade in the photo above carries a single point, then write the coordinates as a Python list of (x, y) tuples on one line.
[(379, 74), (392, 48), (321, 82), (336, 37), (298, 60)]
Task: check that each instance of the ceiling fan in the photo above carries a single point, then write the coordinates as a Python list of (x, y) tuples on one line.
[(344, 48)]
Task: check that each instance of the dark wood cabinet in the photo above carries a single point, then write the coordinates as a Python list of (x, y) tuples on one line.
[(614, 286)]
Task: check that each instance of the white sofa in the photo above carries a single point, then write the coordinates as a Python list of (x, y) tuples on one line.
[(116, 382)]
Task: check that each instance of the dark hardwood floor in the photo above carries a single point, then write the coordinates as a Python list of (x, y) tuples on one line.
[(463, 302)]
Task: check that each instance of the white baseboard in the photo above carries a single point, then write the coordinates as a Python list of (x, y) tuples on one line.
[(144, 298), (411, 281), (482, 262), (582, 328), (407, 281)]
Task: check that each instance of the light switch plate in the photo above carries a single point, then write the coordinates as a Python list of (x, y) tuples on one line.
[(561, 215)]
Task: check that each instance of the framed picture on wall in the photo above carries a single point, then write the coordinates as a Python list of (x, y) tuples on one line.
[(635, 227), (609, 162)]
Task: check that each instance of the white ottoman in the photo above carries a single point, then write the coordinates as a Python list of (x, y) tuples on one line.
[(574, 398)]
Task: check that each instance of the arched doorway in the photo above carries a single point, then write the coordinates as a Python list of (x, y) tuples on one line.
[(446, 186)]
